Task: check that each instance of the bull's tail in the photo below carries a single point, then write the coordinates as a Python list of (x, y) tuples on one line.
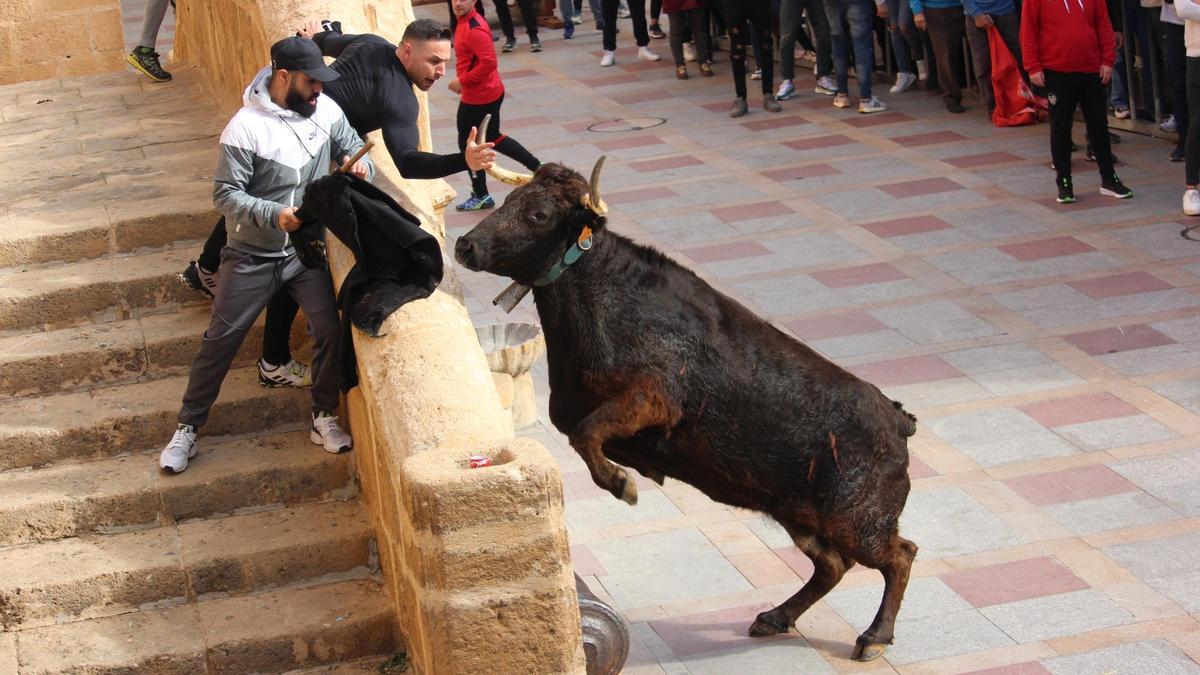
[(906, 422)]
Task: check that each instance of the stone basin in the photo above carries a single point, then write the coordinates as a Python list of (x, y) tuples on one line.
[(511, 347)]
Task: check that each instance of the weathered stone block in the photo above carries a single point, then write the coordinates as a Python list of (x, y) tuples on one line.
[(493, 555)]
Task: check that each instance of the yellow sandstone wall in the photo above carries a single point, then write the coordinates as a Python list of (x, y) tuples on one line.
[(46, 39), (476, 560)]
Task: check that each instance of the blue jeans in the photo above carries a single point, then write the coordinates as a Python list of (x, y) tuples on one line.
[(860, 14), (906, 44)]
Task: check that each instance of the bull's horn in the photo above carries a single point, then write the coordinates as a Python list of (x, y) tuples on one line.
[(500, 174), (593, 200)]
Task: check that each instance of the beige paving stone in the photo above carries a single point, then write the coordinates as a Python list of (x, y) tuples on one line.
[(983, 660), (733, 538), (763, 568), (1097, 569), (167, 641), (1136, 632), (1143, 602), (1136, 534)]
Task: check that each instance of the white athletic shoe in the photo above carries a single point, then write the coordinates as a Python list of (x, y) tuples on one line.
[(608, 59), (1191, 202), (174, 458), (291, 374), (645, 54), (327, 433), (903, 82)]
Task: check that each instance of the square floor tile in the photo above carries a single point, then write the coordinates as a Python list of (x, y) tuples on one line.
[(815, 142), (1151, 360), (900, 227), (735, 250), (1132, 509), (1120, 284), (787, 653), (948, 522), (1028, 379), (942, 636), (1115, 433), (1057, 615), (981, 159), (856, 276), (731, 214), (990, 359), (1078, 409), (1059, 487), (1118, 339), (837, 325), (716, 630), (1152, 558), (1013, 581), (880, 342), (598, 513), (920, 188), (1046, 248), (930, 138), (983, 426), (925, 597), (1154, 656), (935, 322), (909, 370), (644, 570)]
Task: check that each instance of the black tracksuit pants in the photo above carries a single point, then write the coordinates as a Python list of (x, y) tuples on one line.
[(470, 115), (1066, 91)]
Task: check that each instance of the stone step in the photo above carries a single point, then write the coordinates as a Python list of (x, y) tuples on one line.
[(150, 347), (132, 417), (47, 297), (270, 632), (105, 575), (131, 492)]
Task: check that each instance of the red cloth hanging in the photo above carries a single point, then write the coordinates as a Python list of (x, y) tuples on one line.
[(1016, 104)]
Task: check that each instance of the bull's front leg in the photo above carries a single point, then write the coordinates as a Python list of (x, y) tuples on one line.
[(621, 416)]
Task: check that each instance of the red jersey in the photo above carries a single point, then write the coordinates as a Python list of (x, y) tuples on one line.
[(475, 61), (1066, 36)]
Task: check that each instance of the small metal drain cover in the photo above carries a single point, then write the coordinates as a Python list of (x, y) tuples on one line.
[(627, 124)]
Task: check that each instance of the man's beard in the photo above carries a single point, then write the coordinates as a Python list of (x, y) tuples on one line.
[(296, 102)]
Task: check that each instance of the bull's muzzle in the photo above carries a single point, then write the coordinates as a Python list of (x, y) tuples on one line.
[(465, 254)]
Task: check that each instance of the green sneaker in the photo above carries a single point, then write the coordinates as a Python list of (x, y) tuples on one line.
[(1066, 192), (145, 61), (476, 204)]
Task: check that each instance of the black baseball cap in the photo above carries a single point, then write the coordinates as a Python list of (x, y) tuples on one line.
[(297, 53)]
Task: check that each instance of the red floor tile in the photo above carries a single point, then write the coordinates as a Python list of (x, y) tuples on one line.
[(1119, 339), (983, 159), (642, 195), (1071, 485), (910, 370), (1046, 248), (522, 122), (841, 325), (1078, 409), (1027, 668), (916, 188), (731, 251), (820, 142), (519, 72), (584, 563), (873, 273), (717, 107), (733, 214), (877, 119), (627, 142), (641, 96), (775, 122), (800, 563), (931, 138), (637, 66), (905, 226), (664, 164), (918, 469), (709, 631), (1121, 284), (800, 172), (1009, 582), (580, 126), (609, 80)]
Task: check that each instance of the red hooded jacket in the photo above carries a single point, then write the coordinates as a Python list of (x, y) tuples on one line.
[(475, 61), (1066, 36)]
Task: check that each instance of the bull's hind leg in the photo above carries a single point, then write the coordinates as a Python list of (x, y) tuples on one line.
[(895, 564), (619, 417), (828, 568)]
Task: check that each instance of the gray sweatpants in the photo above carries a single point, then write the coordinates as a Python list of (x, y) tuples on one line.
[(244, 286), (156, 11)]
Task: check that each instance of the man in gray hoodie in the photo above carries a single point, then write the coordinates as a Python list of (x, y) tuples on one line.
[(285, 136)]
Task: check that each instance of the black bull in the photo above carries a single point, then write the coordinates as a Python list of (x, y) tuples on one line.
[(653, 369)]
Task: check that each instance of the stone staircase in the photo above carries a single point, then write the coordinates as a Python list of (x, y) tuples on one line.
[(259, 557)]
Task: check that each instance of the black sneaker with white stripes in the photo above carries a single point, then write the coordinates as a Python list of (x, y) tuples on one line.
[(291, 374), (199, 279)]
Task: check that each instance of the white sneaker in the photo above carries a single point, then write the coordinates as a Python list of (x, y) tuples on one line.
[(645, 54), (608, 59), (1191, 202), (757, 74), (825, 86), (291, 374), (577, 20), (903, 82), (871, 105), (327, 433), (689, 52), (841, 101), (623, 13), (174, 458), (922, 70), (1169, 125)]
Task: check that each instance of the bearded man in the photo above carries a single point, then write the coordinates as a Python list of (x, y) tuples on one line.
[(285, 136)]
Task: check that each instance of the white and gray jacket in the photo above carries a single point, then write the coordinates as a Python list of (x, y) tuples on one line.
[(268, 155)]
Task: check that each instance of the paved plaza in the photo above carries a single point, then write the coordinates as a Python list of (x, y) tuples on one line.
[(1051, 353)]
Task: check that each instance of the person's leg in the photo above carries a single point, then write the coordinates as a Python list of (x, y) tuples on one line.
[(609, 15), (815, 9), (861, 16), (156, 11), (941, 34), (760, 23), (698, 19), (1095, 116), (243, 289), (210, 257), (529, 16), (655, 11), (505, 144), (313, 290), (1063, 97), (790, 13), (277, 329), (835, 12), (899, 44), (567, 12), (506, 22), (675, 35), (912, 36), (1176, 53), (981, 58), (470, 116), (1191, 165), (756, 45), (802, 36), (735, 18), (1009, 27), (637, 9), (143, 57)]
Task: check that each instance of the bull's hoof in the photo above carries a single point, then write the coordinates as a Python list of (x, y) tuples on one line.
[(868, 650), (766, 624), (624, 488)]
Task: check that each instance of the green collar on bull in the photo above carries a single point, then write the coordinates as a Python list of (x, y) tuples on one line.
[(581, 246)]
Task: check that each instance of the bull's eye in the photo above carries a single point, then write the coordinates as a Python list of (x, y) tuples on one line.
[(539, 217)]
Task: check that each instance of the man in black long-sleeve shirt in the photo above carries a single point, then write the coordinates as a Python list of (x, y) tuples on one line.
[(375, 91)]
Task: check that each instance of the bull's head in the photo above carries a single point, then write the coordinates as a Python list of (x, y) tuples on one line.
[(527, 237)]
